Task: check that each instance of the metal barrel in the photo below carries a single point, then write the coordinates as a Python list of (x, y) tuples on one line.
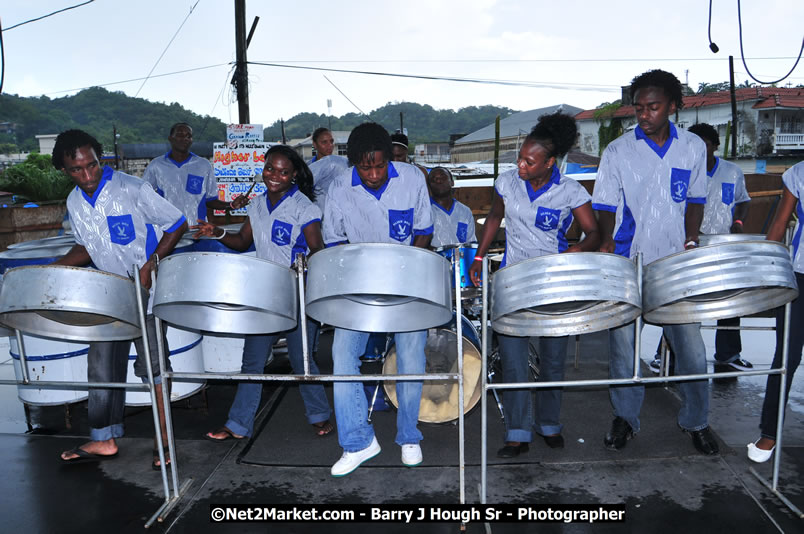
[(225, 293), (715, 239), (50, 360), (71, 303), (721, 281), (40, 255), (564, 294), (379, 287)]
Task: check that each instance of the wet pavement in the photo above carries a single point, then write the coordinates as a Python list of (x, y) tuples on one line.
[(664, 485)]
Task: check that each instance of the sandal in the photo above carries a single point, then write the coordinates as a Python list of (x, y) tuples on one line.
[(228, 434), (323, 428), (155, 464)]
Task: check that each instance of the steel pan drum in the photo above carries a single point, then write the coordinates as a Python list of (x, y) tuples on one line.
[(71, 303), (3, 330), (59, 240), (225, 293), (720, 281), (379, 287), (716, 239), (42, 255), (50, 360), (564, 294), (439, 403)]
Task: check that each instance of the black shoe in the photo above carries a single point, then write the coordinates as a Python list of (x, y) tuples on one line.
[(704, 441), (619, 434), (512, 451), (554, 442)]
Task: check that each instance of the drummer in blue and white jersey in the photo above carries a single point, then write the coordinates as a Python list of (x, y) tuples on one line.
[(793, 192), (453, 222), (325, 166), (118, 222), (281, 223), (376, 201), (649, 193), (539, 206), (186, 180)]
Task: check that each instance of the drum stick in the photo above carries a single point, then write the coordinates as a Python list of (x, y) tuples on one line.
[(246, 195)]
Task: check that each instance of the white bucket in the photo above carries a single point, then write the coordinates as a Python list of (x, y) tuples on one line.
[(50, 360), (185, 357), (222, 354)]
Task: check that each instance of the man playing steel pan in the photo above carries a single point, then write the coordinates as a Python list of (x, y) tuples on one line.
[(376, 201), (119, 221), (453, 222), (649, 195)]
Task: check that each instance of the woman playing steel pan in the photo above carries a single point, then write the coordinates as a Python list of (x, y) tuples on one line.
[(281, 224), (538, 205)]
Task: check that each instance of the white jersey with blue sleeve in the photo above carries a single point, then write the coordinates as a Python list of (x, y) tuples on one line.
[(648, 187), (122, 223), (536, 222), (725, 189), (279, 230), (793, 180), (325, 170), (187, 185), (395, 213), (453, 227)]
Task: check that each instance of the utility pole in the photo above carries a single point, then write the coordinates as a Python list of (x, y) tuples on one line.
[(401, 123), (733, 109), (240, 80), (114, 136)]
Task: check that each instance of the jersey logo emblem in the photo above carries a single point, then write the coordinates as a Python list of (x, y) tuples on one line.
[(195, 184), (400, 224), (727, 193), (462, 231), (679, 182), (280, 233), (547, 219), (121, 229)]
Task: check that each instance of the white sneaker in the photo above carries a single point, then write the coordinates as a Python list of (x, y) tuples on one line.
[(411, 454), (352, 460)]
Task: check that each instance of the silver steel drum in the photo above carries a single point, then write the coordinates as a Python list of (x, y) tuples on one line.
[(565, 294), (59, 240), (379, 287), (715, 239), (70, 303), (720, 281), (43, 255), (225, 293), (4, 332)]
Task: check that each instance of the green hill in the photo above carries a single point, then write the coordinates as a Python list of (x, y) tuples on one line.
[(98, 110)]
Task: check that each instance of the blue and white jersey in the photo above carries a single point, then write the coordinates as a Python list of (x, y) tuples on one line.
[(453, 227), (325, 170), (793, 179), (394, 213), (187, 185), (279, 230), (123, 223), (725, 189), (536, 222), (648, 187)]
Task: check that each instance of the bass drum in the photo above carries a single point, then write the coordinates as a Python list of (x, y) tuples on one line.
[(439, 402)]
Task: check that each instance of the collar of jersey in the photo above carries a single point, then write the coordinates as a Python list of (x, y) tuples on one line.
[(439, 206), (289, 193), (555, 177), (377, 193), (105, 177), (717, 162), (176, 163), (660, 150)]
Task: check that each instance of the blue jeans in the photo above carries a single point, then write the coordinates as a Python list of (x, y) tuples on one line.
[(107, 361), (728, 344), (256, 350), (517, 403), (687, 344), (770, 406), (351, 408)]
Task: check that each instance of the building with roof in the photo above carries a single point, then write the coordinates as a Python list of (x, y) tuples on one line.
[(305, 146), (479, 145), (770, 120)]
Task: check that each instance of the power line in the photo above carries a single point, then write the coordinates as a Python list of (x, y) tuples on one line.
[(166, 49), (136, 79), (518, 83), (347, 98), (498, 60), (49, 15)]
